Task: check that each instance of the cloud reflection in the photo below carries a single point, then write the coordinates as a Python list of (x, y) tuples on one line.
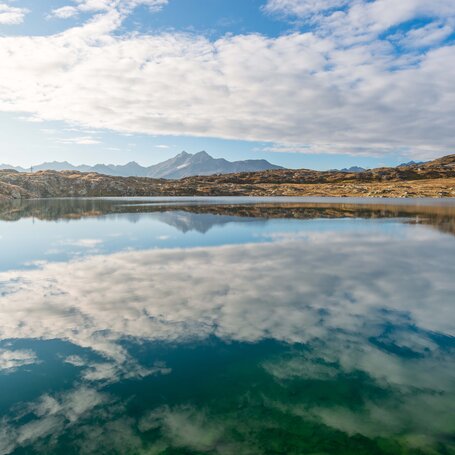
[(48, 417), (294, 290), (355, 299), (11, 360)]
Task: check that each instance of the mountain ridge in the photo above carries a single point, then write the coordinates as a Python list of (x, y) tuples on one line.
[(180, 166)]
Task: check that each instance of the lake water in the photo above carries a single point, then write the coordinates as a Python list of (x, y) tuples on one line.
[(227, 326)]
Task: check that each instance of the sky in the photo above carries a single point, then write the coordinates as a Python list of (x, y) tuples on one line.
[(302, 83)]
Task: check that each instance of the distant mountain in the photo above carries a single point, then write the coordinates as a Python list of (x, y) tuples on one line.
[(362, 169), (353, 169), (349, 169), (410, 163), (187, 165), (16, 168), (182, 165), (55, 166)]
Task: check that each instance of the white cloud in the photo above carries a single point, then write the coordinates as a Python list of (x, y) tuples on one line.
[(11, 15), (302, 8), (365, 21), (361, 15), (88, 243), (65, 12), (428, 35), (82, 140), (96, 6), (338, 89)]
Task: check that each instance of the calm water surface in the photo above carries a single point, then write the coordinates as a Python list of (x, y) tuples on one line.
[(227, 326)]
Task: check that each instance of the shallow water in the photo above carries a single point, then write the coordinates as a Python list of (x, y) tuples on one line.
[(227, 326)]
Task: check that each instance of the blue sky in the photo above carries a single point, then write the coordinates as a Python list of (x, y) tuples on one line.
[(302, 83)]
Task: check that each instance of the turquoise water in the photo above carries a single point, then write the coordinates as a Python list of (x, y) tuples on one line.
[(227, 326)]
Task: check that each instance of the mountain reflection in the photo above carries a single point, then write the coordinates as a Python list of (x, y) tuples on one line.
[(344, 337), (186, 214)]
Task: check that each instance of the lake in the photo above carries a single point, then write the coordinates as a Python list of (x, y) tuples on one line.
[(227, 326)]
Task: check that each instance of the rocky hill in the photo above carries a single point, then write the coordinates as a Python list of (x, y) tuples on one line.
[(432, 179), (440, 168)]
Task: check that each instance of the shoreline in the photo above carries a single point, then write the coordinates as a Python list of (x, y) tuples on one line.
[(423, 188)]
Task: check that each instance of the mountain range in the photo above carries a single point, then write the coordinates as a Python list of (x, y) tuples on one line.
[(363, 169), (180, 166), (352, 169), (431, 179)]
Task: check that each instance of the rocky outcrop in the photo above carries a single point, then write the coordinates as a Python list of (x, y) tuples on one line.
[(433, 179), (11, 191)]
